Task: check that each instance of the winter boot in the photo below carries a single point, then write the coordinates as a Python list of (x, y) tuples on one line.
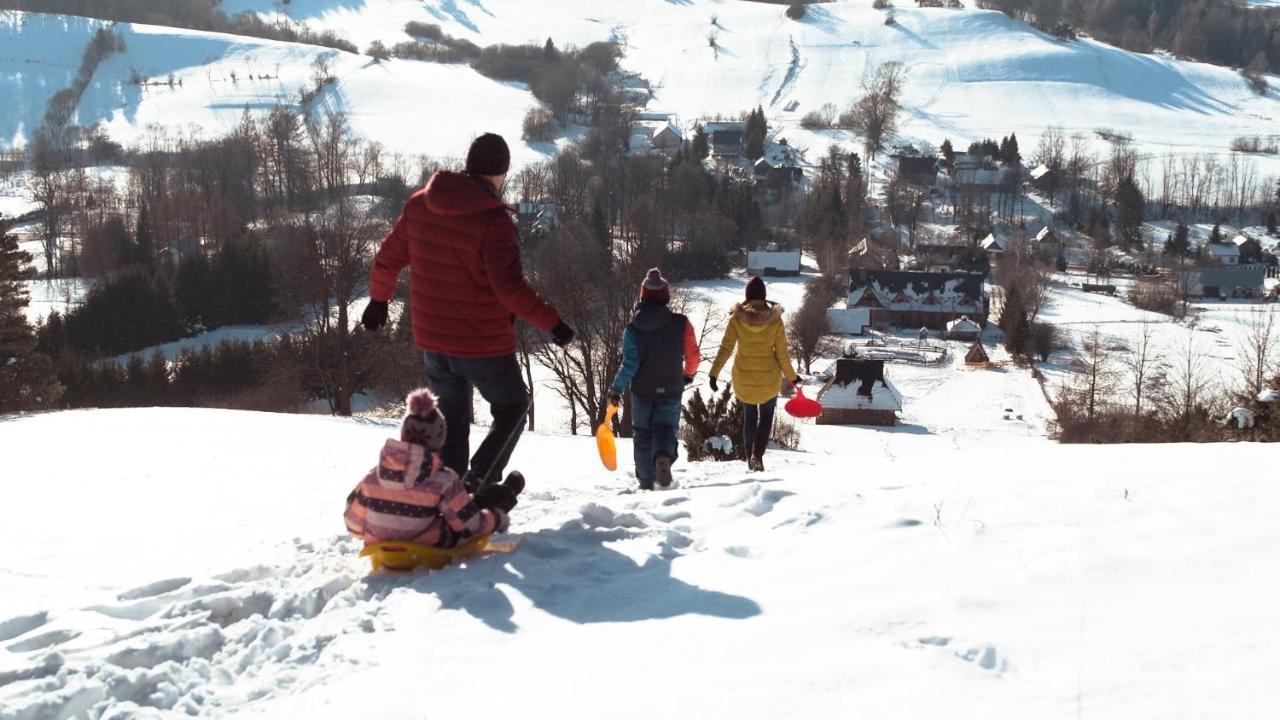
[(663, 465), (646, 484), (514, 483), (759, 462)]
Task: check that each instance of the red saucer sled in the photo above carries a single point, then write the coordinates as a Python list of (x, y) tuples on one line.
[(801, 406)]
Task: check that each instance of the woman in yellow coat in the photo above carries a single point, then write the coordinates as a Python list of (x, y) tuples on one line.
[(759, 366)]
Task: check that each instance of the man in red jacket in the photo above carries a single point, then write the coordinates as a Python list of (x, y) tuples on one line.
[(467, 286)]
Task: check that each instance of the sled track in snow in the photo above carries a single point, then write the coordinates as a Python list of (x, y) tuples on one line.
[(793, 72)]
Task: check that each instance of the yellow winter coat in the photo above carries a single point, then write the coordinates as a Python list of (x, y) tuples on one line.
[(755, 328)]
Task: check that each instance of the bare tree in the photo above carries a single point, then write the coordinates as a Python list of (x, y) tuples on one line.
[(1051, 152), (1257, 350), (875, 114), (49, 189), (1139, 360), (1185, 397), (1095, 374)]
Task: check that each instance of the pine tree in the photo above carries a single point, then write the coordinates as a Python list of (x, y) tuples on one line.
[(27, 377), (1271, 222), (1178, 243), (948, 152), (1129, 213), (701, 147), (756, 132), (1215, 236), (1010, 155), (143, 246)]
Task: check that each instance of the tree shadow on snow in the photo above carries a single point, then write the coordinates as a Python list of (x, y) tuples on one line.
[(570, 573)]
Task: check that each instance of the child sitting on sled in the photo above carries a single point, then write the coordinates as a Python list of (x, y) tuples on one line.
[(411, 497)]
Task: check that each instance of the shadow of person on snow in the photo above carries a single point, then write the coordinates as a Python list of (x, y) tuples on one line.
[(570, 573)]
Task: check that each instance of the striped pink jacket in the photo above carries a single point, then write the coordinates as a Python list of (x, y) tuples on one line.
[(410, 497)]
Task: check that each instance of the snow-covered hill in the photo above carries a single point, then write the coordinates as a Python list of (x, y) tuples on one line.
[(414, 108), (972, 73), (163, 563)]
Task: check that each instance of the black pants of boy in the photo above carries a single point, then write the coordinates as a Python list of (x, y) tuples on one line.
[(757, 426), (499, 382)]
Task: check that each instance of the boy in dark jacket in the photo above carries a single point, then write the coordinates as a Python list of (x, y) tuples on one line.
[(659, 357)]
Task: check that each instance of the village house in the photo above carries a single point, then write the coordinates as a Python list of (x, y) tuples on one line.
[(655, 132), (1224, 253), (536, 219), (919, 299), (918, 170), (727, 138), (963, 328), (994, 245), (1228, 281), (781, 165), (773, 262)]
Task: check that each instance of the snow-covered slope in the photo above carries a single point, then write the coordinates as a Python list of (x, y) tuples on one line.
[(192, 562), (972, 73), (413, 108)]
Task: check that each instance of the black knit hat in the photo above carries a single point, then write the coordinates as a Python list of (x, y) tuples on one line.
[(755, 289), (488, 155)]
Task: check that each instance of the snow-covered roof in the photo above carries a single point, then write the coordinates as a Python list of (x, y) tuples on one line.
[(1222, 250), (780, 155), (1045, 232), (1239, 240), (1040, 171), (846, 397), (724, 125), (963, 324), (918, 291), (991, 242), (784, 260)]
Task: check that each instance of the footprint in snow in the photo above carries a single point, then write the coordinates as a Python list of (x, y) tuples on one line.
[(22, 624), (43, 641)]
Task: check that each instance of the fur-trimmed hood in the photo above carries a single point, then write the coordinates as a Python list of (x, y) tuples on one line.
[(758, 313)]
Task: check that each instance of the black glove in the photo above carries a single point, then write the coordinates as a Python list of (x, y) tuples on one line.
[(615, 399), (375, 315), (715, 386), (562, 334), (688, 379)]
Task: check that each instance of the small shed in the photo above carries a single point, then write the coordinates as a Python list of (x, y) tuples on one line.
[(977, 356), (859, 394), (773, 263), (962, 328), (993, 245)]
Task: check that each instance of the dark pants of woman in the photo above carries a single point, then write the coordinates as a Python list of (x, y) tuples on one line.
[(757, 426)]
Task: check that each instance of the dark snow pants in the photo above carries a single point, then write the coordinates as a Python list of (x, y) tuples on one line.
[(499, 382), (654, 424), (757, 426)]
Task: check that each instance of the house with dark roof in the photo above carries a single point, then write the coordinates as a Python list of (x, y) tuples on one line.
[(727, 138), (919, 299), (920, 170), (1228, 281)]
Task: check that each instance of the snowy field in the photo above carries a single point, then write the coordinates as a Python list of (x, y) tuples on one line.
[(202, 570), (48, 295), (1219, 332)]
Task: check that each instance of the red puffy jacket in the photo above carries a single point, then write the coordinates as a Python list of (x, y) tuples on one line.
[(465, 276)]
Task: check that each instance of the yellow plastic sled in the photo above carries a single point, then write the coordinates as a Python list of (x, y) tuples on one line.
[(605, 441), (403, 556)]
